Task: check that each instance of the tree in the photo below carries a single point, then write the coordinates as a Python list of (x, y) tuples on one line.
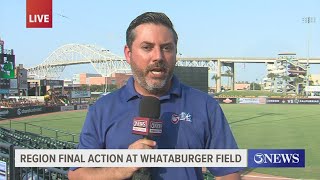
[(285, 79), (311, 83), (297, 81), (229, 74), (97, 88), (255, 86), (215, 77), (83, 87), (273, 76), (112, 87)]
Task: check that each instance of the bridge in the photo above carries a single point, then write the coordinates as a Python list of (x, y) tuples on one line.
[(105, 62)]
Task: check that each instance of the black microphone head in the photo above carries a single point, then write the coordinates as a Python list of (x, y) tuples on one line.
[(149, 107)]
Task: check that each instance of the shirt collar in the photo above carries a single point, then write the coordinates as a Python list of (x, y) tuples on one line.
[(131, 93)]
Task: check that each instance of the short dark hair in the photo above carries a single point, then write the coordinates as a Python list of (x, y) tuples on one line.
[(149, 17)]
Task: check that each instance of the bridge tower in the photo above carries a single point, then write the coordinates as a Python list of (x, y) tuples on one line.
[(228, 73)]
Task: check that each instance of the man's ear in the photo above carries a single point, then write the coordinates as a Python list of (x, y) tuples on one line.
[(127, 53)]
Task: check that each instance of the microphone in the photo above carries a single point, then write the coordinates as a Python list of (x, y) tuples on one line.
[(147, 124)]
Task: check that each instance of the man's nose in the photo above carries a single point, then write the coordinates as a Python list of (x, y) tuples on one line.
[(157, 54)]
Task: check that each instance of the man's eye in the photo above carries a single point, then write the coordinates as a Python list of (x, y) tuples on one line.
[(147, 48), (167, 48)]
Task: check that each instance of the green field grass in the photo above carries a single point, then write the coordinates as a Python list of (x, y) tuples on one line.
[(254, 126), (68, 123), (279, 126)]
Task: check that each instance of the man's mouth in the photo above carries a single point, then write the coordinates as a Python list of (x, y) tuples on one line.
[(157, 71)]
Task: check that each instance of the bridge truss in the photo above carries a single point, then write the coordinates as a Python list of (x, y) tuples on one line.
[(103, 61)]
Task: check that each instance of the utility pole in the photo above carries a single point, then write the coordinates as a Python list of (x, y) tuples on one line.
[(308, 20), (106, 83)]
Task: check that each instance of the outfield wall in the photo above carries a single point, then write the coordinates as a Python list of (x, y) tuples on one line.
[(33, 110), (266, 100)]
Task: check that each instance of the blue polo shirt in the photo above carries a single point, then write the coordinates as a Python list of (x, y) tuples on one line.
[(191, 120)]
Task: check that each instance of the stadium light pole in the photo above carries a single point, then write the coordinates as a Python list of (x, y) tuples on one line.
[(106, 85), (106, 81), (308, 20), (106, 78)]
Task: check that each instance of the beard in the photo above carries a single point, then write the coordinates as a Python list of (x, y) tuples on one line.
[(156, 86)]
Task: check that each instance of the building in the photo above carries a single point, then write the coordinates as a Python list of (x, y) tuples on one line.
[(67, 83), (118, 79), (241, 86), (286, 74), (82, 78)]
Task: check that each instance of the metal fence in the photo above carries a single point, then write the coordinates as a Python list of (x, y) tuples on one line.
[(43, 131)]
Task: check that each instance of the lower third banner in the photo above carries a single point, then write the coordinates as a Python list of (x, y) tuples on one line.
[(276, 158)]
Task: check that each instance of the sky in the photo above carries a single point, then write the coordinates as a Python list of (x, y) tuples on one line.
[(206, 28)]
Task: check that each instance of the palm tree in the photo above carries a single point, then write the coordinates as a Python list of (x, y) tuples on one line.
[(272, 76), (215, 77), (229, 74), (285, 79), (311, 83), (297, 81)]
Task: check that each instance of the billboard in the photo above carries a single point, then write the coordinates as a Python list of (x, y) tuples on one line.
[(13, 84), (292, 101), (196, 77), (4, 83), (312, 88), (47, 82), (4, 91), (227, 100), (80, 94), (7, 65), (248, 101)]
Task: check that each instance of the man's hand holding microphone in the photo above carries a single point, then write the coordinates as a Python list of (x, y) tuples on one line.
[(147, 125)]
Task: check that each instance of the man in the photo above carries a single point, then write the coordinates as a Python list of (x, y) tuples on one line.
[(191, 119)]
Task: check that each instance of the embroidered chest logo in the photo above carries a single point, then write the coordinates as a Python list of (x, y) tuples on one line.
[(183, 116)]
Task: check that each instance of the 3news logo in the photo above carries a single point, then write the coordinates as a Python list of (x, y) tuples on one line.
[(276, 158), (39, 14), (147, 126)]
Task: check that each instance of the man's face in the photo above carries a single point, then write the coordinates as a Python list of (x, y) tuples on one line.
[(152, 58)]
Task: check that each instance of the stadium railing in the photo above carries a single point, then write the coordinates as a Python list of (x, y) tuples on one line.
[(45, 131), (14, 139), (24, 173)]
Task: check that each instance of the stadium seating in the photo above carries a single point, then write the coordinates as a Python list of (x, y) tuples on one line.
[(33, 141)]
